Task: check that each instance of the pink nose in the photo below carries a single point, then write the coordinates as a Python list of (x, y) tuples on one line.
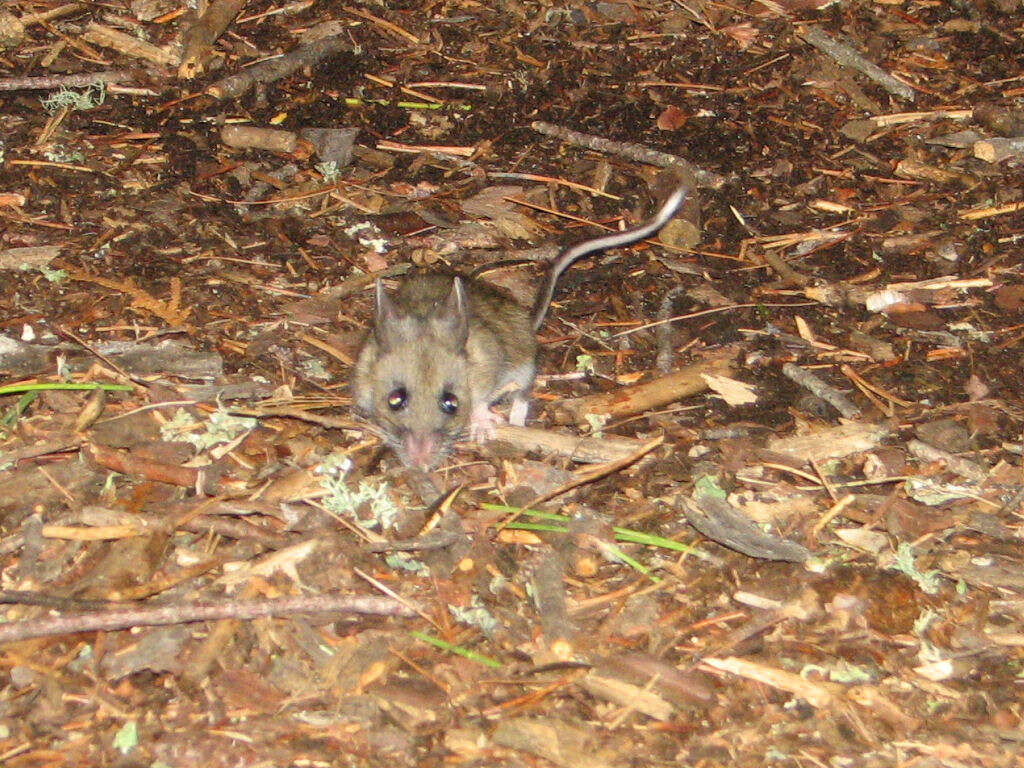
[(421, 449)]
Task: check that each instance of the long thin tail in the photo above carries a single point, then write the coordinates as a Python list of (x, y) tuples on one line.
[(612, 240)]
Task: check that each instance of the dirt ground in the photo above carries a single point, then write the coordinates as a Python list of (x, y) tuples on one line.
[(766, 510)]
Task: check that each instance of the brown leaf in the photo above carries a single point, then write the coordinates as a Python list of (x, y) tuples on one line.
[(671, 118)]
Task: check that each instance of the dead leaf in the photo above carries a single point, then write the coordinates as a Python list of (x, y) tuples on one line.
[(671, 118)]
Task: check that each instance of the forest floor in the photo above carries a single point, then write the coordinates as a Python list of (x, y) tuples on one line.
[(766, 509)]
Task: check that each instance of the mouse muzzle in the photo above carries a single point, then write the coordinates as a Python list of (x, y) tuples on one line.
[(420, 449)]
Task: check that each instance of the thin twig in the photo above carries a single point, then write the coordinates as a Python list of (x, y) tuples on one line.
[(52, 82), (186, 613), (629, 150)]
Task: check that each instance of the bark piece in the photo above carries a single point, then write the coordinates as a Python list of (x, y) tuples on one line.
[(719, 521)]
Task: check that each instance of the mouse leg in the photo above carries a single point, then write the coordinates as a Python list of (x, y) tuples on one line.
[(482, 421), (519, 410)]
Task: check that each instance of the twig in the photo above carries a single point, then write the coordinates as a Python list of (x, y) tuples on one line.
[(187, 613), (275, 69), (846, 56), (51, 82), (821, 389), (636, 152)]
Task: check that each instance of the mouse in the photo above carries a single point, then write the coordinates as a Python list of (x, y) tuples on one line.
[(445, 347)]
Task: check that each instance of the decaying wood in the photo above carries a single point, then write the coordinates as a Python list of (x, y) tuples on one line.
[(998, 149), (186, 613), (638, 398), (633, 697), (275, 69), (198, 39), (208, 478), (818, 695), (12, 28)]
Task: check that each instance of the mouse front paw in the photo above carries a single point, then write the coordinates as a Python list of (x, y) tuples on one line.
[(482, 422)]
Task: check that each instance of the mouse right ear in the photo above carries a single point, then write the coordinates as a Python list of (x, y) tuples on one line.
[(384, 314)]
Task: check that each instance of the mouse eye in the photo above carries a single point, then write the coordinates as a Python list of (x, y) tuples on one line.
[(449, 403), (397, 398)]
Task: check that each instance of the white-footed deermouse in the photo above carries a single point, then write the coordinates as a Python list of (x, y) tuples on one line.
[(445, 347)]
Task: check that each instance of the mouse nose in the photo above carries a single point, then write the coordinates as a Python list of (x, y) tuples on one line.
[(421, 449)]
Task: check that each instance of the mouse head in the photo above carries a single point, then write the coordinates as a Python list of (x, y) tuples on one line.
[(419, 383)]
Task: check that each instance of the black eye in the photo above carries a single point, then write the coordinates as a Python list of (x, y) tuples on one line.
[(397, 398), (449, 403)]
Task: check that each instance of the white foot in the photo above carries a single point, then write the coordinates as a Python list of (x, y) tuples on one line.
[(519, 410), (482, 422)]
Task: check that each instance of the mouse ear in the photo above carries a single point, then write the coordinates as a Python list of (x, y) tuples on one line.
[(385, 314), (454, 313)]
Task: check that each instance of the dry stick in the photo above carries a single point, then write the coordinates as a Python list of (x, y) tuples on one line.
[(128, 45), (628, 401), (51, 82), (819, 388), (187, 613), (200, 37), (846, 56), (274, 69), (631, 151)]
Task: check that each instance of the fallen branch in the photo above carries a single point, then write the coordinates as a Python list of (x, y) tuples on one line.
[(187, 613)]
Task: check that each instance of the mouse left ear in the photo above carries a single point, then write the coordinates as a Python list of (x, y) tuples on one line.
[(385, 313), (454, 312)]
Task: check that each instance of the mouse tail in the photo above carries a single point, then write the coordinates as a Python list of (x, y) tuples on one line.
[(612, 240)]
